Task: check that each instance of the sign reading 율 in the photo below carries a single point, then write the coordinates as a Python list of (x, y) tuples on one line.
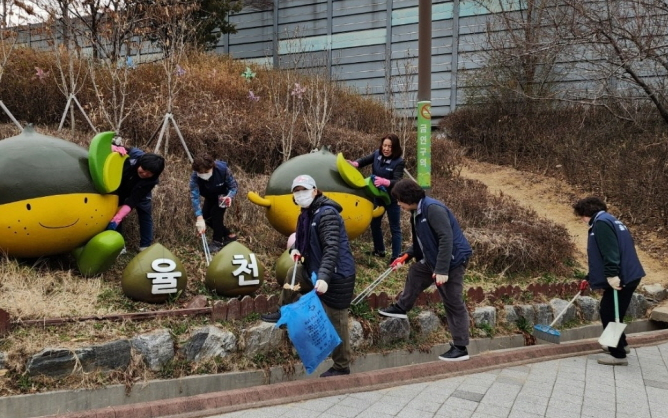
[(164, 279)]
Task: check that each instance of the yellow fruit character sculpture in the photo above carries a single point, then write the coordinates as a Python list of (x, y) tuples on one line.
[(54, 198), (354, 196)]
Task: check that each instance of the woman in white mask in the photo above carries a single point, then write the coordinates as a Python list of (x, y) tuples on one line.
[(213, 181), (321, 244)]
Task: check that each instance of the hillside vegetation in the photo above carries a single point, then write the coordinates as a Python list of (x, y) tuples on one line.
[(217, 113)]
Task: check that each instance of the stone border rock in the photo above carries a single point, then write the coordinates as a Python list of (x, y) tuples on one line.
[(240, 399)]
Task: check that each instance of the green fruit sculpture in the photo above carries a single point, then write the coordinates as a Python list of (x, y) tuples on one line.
[(234, 271), (155, 275), (282, 212), (54, 198), (283, 264)]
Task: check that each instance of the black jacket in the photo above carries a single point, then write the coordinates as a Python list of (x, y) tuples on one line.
[(329, 253), (134, 189)]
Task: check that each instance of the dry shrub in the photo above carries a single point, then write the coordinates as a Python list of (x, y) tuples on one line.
[(30, 99), (624, 162), (507, 239)]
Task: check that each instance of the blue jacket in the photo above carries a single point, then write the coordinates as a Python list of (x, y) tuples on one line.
[(221, 182), (629, 266), (456, 248)]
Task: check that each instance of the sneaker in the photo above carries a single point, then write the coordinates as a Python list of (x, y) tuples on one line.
[(613, 361), (627, 349), (272, 317), (376, 253), (336, 372), (393, 311), (215, 246), (455, 354)]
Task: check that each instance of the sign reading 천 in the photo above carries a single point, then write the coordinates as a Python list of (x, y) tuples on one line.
[(424, 144), (246, 268)]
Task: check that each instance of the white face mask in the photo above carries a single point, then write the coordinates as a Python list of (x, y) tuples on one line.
[(303, 198), (205, 176)]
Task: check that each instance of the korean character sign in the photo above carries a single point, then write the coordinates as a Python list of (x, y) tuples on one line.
[(310, 330)]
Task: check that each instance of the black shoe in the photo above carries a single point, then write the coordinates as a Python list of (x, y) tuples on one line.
[(272, 317), (393, 311), (455, 354), (229, 239), (336, 372), (215, 246), (375, 253)]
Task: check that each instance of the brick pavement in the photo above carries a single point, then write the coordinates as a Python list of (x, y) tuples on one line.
[(562, 388), (546, 380)]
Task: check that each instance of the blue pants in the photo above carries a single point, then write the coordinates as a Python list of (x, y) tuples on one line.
[(144, 209), (394, 218)]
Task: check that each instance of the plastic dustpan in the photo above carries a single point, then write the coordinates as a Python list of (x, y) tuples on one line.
[(614, 330)]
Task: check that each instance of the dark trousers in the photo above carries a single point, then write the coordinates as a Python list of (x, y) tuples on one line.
[(145, 220), (394, 219), (338, 317), (607, 312), (214, 218), (419, 278)]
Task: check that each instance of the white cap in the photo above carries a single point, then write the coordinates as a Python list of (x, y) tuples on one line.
[(305, 181)]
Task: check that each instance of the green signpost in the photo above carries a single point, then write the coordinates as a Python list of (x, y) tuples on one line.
[(424, 144)]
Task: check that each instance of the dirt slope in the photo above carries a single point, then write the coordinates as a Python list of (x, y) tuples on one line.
[(552, 198)]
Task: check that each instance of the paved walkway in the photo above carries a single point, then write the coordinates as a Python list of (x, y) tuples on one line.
[(561, 388)]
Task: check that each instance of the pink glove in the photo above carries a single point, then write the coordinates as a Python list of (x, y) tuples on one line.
[(224, 201), (354, 163), (122, 213), (380, 182), (119, 150)]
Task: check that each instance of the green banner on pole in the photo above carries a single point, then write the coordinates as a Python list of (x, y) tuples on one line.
[(424, 144)]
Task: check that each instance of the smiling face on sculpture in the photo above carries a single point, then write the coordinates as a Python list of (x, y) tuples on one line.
[(50, 202)]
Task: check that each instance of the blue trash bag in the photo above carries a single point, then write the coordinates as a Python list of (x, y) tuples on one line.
[(310, 330)]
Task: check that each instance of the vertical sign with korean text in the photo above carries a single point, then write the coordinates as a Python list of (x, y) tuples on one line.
[(424, 144)]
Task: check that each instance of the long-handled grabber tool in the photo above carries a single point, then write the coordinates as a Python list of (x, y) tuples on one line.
[(366, 292), (292, 285), (207, 253)]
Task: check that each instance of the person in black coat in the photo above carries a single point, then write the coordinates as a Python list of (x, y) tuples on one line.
[(322, 243), (141, 172)]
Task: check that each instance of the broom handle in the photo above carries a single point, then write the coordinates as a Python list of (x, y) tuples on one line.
[(616, 307), (564, 310)]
